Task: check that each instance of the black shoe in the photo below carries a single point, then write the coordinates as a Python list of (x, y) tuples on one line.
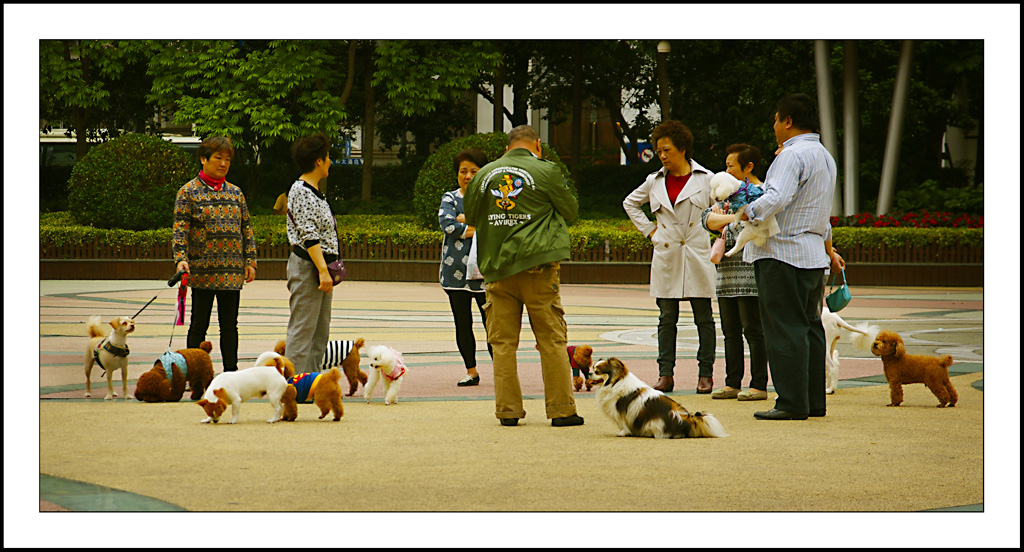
[(509, 421), (776, 414), (469, 380), (573, 420), (820, 413)]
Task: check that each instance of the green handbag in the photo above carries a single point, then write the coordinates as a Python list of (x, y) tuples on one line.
[(839, 298)]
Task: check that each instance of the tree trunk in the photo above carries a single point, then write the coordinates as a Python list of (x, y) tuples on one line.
[(350, 78), (368, 120), (576, 136), (521, 81), (498, 100), (622, 129)]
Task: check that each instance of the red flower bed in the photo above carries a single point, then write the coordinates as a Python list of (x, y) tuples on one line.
[(921, 219)]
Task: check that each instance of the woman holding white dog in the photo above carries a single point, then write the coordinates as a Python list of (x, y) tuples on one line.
[(314, 239), (681, 267), (455, 279), (738, 306)]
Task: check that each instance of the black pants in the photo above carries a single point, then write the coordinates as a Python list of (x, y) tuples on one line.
[(741, 317), (790, 301), (461, 302), (667, 332), (227, 317)]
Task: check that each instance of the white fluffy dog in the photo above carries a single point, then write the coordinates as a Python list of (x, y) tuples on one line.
[(387, 365), (111, 353), (834, 325), (739, 194), (234, 388), (642, 411)]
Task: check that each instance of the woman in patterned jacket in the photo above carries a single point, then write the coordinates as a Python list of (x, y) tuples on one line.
[(458, 237), (213, 242), (313, 236)]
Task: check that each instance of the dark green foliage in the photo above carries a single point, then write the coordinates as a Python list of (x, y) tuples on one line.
[(129, 182), (603, 187), (53, 187), (437, 176)]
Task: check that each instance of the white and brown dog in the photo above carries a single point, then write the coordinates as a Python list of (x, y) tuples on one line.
[(387, 366), (834, 326), (642, 411), (234, 388), (111, 353)]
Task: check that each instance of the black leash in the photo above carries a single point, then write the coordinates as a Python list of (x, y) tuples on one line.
[(170, 283)]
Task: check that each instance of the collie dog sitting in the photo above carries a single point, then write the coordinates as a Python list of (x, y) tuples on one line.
[(321, 388), (642, 411)]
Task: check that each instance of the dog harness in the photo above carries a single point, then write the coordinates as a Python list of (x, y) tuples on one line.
[(336, 353), (576, 367), (398, 370), (304, 384), (171, 358), (109, 347)]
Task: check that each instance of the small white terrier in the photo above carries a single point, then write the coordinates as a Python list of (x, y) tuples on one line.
[(387, 365), (834, 325), (234, 388), (739, 194)]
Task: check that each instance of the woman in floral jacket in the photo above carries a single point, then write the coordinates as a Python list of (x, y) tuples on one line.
[(458, 239)]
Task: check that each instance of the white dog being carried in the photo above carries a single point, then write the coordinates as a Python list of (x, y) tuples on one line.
[(739, 194)]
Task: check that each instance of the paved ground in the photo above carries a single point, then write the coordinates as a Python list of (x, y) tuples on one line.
[(414, 318)]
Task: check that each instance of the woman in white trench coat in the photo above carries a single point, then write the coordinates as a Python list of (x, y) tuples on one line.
[(681, 267)]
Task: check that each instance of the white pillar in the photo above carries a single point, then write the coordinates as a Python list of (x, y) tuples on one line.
[(826, 111), (891, 160)]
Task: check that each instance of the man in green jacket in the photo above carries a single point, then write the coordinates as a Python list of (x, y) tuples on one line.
[(519, 205)]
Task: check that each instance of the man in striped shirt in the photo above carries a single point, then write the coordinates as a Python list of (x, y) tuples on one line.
[(789, 268)]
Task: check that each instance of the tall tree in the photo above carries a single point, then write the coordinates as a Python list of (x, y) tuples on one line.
[(261, 93), (93, 85)]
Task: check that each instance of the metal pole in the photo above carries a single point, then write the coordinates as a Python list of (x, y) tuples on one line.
[(663, 89), (891, 161), (827, 111), (851, 129)]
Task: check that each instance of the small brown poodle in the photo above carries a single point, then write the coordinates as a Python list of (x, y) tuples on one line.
[(153, 386), (323, 389), (340, 353), (580, 360), (901, 368)]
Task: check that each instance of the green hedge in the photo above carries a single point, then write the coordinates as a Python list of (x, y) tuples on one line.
[(118, 183), (59, 229)]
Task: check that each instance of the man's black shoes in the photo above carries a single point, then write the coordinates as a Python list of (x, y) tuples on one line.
[(573, 420), (776, 414)]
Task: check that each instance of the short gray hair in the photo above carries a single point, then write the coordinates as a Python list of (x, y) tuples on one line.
[(523, 133)]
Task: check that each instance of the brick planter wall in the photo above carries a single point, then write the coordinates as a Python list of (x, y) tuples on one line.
[(956, 266)]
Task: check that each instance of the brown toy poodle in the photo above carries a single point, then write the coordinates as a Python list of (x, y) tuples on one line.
[(340, 353), (580, 360), (323, 389), (901, 368), (153, 386)]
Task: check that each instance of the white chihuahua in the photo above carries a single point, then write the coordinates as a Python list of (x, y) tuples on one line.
[(234, 388)]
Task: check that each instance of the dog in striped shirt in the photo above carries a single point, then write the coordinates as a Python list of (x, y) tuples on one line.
[(341, 353)]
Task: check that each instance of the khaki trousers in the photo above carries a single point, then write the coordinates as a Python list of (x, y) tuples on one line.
[(537, 290)]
